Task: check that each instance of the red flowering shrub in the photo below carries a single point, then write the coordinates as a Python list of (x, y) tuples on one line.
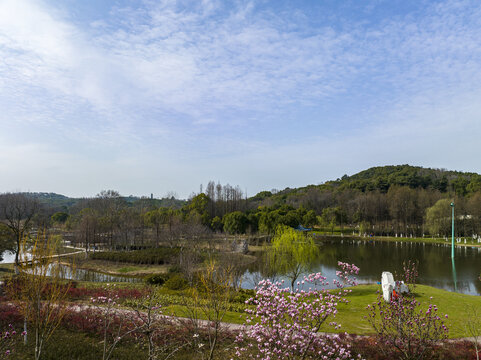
[(76, 293), (9, 314)]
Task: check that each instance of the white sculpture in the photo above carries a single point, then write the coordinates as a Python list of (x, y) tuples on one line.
[(389, 286)]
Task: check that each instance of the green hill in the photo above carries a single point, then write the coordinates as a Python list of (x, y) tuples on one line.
[(381, 178)]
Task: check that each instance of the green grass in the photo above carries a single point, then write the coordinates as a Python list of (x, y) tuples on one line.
[(351, 315), (183, 311)]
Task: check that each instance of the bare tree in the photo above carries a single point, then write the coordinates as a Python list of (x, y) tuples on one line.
[(86, 225), (17, 211), (109, 204), (40, 292)]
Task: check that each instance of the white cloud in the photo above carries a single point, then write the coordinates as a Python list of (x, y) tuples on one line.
[(235, 90)]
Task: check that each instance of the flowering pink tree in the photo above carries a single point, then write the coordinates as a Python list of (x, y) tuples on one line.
[(7, 340), (409, 274), (286, 325), (405, 331), (116, 325), (142, 320)]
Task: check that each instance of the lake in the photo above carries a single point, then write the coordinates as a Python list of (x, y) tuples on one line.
[(79, 274), (95, 276), (374, 257)]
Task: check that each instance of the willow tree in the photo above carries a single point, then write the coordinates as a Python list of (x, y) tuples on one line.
[(292, 252), (438, 218)]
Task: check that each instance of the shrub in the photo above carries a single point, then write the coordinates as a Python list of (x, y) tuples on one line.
[(156, 279), (404, 330), (242, 295), (80, 293), (9, 314), (176, 282), (370, 348), (7, 340)]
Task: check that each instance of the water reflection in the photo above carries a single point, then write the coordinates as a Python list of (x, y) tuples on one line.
[(66, 272), (87, 275), (8, 257), (375, 257), (454, 276), (77, 274)]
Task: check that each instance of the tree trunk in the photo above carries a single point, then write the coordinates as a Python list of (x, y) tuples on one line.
[(25, 330)]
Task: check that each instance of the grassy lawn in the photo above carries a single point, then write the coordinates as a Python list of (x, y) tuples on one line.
[(182, 311), (6, 270), (457, 306), (351, 316)]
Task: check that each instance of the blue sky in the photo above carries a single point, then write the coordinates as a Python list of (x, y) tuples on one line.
[(157, 96)]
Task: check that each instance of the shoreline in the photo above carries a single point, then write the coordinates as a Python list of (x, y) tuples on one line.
[(437, 241)]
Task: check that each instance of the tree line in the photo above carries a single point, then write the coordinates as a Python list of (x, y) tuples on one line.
[(401, 201)]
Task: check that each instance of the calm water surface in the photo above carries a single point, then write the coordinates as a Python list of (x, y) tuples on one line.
[(94, 276), (374, 257), (79, 274)]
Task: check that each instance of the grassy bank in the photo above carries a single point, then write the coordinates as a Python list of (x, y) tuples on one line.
[(428, 240), (457, 306)]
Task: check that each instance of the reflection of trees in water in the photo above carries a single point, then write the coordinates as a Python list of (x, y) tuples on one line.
[(374, 257), (66, 272)]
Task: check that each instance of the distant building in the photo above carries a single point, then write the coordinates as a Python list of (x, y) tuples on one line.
[(302, 228)]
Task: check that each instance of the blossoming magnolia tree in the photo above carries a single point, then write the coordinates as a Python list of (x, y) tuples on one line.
[(286, 325), (7, 340), (404, 330)]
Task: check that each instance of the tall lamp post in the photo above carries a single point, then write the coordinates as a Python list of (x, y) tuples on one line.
[(452, 230)]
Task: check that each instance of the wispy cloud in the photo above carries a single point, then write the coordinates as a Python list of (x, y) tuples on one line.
[(189, 84)]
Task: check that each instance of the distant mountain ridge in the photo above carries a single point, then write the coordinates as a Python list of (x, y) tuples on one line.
[(63, 203)]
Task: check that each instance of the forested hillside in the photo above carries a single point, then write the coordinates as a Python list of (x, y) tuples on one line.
[(391, 200), (388, 200)]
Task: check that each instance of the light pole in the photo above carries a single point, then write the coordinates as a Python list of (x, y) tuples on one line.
[(454, 275), (452, 230)]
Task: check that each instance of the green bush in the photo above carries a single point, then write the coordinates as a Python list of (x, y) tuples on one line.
[(242, 295), (176, 282), (156, 279)]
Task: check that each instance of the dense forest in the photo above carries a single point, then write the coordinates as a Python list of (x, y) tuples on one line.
[(390, 200)]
